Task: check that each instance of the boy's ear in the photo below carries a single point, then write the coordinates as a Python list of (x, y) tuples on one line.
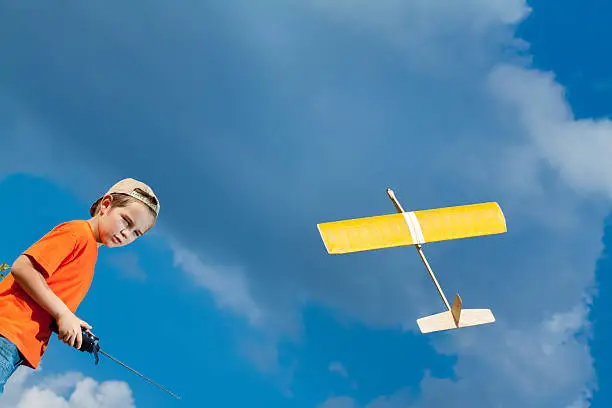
[(105, 203)]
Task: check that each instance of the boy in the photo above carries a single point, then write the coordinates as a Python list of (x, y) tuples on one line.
[(50, 279)]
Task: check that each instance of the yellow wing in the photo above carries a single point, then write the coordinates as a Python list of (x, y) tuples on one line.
[(411, 228)]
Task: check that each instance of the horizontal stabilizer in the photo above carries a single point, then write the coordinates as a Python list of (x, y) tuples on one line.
[(445, 320), (411, 228)]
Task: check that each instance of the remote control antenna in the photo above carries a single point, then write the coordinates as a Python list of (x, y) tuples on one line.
[(137, 373), (91, 345)]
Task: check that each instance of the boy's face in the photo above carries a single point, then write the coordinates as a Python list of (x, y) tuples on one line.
[(120, 226)]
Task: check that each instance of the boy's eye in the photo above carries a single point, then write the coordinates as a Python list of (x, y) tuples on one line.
[(129, 222)]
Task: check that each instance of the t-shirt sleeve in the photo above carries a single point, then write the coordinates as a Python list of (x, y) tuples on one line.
[(54, 248)]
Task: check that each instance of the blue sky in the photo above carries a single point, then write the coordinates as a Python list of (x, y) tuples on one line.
[(255, 122)]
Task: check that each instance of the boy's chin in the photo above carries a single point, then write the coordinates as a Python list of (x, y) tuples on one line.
[(109, 243)]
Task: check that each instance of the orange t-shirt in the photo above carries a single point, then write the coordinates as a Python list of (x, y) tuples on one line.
[(68, 254)]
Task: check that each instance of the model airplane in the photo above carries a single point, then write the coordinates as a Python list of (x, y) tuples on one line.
[(417, 228)]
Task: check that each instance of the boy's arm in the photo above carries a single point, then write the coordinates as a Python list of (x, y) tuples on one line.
[(29, 275)]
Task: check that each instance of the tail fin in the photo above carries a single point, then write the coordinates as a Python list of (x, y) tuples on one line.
[(455, 318), (456, 309)]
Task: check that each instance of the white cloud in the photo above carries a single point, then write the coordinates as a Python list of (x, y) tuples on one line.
[(579, 150), (401, 399), (437, 38), (472, 13), (69, 390)]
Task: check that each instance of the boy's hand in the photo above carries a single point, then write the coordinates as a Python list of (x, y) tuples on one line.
[(69, 329)]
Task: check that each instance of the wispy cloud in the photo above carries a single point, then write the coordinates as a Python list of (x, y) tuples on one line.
[(338, 402), (128, 265), (228, 284), (337, 367)]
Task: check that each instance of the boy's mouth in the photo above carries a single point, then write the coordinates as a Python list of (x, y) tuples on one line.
[(116, 240)]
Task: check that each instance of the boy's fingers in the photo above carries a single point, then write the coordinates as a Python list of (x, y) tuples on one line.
[(79, 340)]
